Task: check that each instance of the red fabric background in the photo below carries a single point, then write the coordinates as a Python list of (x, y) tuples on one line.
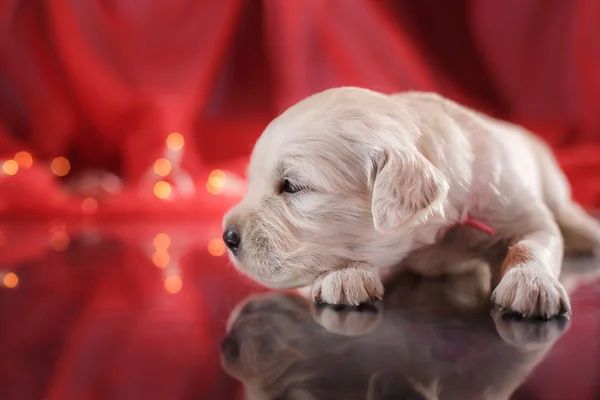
[(103, 82)]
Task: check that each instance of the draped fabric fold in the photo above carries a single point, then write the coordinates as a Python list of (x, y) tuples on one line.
[(104, 82)]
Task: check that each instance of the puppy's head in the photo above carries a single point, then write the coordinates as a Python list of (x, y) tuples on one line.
[(334, 179)]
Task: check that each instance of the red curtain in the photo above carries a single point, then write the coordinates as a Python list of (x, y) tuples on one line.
[(103, 82)]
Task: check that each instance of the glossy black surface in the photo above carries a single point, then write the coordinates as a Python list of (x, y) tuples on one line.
[(107, 316)]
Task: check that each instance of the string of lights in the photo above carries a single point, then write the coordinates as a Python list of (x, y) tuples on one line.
[(165, 181), (166, 178)]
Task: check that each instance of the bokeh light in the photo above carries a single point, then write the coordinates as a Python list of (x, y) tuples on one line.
[(162, 189), (162, 167), (60, 166), (24, 159), (213, 189), (10, 167), (89, 205), (59, 240), (162, 241), (173, 284), (216, 247), (57, 225), (161, 259), (217, 178), (216, 181), (175, 141), (10, 280)]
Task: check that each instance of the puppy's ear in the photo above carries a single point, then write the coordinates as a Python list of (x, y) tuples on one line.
[(405, 189)]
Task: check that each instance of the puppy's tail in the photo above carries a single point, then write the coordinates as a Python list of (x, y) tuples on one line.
[(581, 232)]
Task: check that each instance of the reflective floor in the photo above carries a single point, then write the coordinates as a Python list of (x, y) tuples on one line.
[(151, 311)]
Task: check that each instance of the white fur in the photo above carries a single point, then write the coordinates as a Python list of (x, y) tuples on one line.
[(383, 175)]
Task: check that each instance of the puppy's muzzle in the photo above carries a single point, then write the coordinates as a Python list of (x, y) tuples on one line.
[(232, 239)]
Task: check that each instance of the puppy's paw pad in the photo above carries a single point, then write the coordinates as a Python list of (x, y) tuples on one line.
[(353, 285), (529, 291)]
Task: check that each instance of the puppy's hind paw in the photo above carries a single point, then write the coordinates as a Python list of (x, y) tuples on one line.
[(353, 285)]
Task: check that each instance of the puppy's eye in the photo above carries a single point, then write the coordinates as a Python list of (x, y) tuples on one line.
[(289, 187)]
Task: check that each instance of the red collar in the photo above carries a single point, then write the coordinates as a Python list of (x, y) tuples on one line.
[(468, 221), (478, 225)]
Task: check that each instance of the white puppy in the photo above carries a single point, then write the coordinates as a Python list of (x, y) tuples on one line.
[(349, 181)]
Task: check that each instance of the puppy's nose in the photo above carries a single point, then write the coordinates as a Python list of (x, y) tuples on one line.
[(232, 239), (230, 347)]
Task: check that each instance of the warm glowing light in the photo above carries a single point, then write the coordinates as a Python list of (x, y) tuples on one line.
[(161, 259), (89, 206), (212, 189), (216, 247), (162, 241), (10, 167), (24, 159), (173, 284), (162, 189), (217, 178), (10, 280), (175, 141), (57, 225), (60, 166), (60, 240), (162, 167)]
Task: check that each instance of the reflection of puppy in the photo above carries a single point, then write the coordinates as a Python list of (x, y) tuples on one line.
[(432, 340), (348, 181)]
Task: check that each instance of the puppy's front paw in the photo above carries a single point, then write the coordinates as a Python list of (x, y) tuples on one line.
[(529, 290), (355, 284)]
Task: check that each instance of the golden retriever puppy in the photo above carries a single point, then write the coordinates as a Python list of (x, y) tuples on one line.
[(348, 182)]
